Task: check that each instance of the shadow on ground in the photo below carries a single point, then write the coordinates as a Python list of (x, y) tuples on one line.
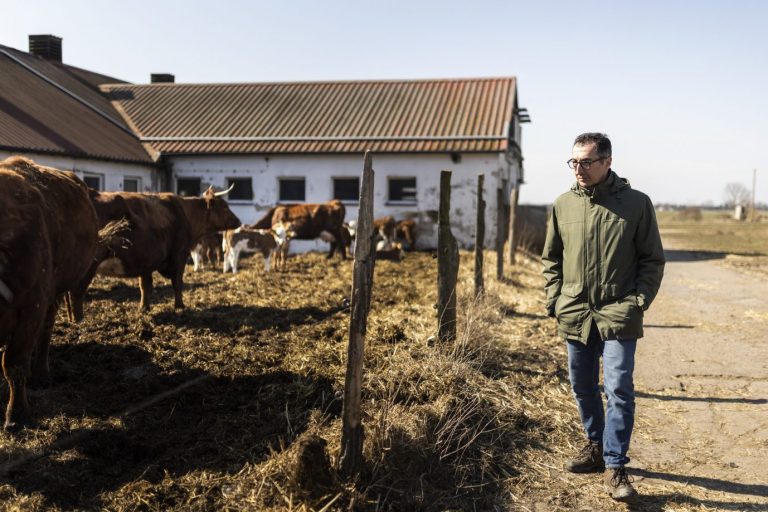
[(664, 502), (711, 399), (217, 424)]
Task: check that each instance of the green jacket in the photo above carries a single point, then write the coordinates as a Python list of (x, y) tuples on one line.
[(603, 260)]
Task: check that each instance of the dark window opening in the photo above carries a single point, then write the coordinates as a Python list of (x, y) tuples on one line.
[(292, 189), (346, 189), (188, 187), (402, 190), (243, 190), (130, 184), (93, 181)]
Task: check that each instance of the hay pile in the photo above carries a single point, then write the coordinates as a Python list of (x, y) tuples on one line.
[(235, 402)]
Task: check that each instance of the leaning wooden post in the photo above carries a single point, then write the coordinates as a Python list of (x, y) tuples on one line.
[(479, 237), (447, 265), (351, 457), (513, 233), (500, 233)]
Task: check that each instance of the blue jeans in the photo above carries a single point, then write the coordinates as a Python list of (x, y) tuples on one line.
[(614, 429)]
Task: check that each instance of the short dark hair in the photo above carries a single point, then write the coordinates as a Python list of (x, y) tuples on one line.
[(600, 139)]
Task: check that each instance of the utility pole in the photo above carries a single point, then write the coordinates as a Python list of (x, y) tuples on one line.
[(754, 180)]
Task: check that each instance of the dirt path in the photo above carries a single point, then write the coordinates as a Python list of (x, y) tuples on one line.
[(701, 435)]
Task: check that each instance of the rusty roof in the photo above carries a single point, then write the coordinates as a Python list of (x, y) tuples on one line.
[(440, 115), (50, 107)]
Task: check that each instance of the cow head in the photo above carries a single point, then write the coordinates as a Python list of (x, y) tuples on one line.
[(218, 215), (283, 232)]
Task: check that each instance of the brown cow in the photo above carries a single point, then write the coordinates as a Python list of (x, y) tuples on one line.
[(207, 252), (163, 229), (309, 221), (385, 228), (406, 230), (48, 239)]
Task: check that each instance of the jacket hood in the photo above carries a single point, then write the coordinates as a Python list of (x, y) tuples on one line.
[(613, 184)]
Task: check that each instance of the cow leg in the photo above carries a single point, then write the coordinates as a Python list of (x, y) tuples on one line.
[(76, 298), (230, 259), (226, 265), (197, 259), (40, 370), (145, 285), (342, 247), (177, 282), (267, 260), (16, 359)]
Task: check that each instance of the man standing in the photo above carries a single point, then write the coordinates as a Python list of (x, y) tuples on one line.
[(603, 264)]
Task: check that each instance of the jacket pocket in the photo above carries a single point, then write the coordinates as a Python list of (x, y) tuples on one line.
[(625, 317), (570, 307)]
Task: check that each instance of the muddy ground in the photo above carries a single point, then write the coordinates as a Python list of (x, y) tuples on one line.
[(207, 408)]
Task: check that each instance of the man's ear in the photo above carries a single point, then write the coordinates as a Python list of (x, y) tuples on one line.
[(609, 160)]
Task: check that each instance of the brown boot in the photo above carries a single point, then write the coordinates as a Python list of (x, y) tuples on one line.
[(619, 484), (588, 460)]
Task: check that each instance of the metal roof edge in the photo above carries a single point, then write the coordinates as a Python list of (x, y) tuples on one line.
[(108, 87), (70, 154), (325, 139)]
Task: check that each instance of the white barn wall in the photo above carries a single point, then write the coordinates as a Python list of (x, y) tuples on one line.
[(319, 171), (112, 172)]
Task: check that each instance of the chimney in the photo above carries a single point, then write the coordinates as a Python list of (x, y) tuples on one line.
[(45, 46), (162, 78)]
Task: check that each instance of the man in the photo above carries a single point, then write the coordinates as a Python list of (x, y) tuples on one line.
[(603, 264)]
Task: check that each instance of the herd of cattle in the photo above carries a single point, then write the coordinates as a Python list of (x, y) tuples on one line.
[(57, 234)]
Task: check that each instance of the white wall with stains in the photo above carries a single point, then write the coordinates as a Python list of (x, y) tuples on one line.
[(112, 175), (319, 171)]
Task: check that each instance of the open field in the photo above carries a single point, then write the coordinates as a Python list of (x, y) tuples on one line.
[(741, 245)]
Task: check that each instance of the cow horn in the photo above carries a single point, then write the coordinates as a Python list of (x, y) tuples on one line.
[(224, 192)]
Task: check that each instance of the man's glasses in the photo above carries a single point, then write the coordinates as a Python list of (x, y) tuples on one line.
[(585, 164)]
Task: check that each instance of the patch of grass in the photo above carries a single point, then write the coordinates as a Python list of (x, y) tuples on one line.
[(716, 232)]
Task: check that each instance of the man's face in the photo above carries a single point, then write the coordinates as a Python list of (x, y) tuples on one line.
[(597, 172)]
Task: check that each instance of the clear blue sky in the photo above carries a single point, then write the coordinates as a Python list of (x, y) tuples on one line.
[(681, 87)]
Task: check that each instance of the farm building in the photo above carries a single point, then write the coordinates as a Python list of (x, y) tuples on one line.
[(285, 142), (55, 114)]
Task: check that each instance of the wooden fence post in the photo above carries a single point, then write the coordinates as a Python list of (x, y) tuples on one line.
[(500, 233), (513, 233), (447, 265), (351, 457), (479, 237)]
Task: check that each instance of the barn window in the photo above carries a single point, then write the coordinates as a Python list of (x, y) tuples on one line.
[(131, 184), (402, 190), (94, 181), (292, 189), (346, 189), (243, 190), (188, 186)]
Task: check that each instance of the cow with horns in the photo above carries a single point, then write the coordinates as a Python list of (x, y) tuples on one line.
[(163, 228), (48, 238)]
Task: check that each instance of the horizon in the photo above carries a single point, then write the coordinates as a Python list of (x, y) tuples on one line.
[(677, 87)]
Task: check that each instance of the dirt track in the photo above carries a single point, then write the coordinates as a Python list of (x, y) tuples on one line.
[(702, 385)]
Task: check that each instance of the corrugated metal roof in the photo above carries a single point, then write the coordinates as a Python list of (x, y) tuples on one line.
[(49, 107), (447, 115)]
